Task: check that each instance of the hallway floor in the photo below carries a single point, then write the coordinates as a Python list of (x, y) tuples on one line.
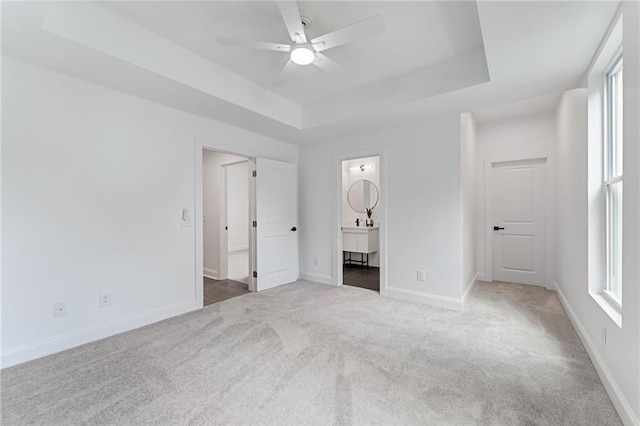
[(219, 290), (357, 276)]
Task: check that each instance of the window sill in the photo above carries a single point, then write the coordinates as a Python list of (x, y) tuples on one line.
[(609, 306)]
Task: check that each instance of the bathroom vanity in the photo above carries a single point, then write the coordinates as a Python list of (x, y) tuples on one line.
[(359, 239)]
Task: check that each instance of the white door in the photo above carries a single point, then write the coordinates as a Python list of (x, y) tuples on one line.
[(519, 222), (276, 223)]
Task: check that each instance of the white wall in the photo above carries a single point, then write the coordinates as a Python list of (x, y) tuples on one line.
[(526, 137), (632, 131), (421, 189), (212, 181), (93, 185), (468, 173), (618, 360), (238, 206), (350, 174)]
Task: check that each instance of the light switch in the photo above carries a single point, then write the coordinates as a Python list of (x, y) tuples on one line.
[(186, 217)]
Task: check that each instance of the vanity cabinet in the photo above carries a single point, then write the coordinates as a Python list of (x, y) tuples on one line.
[(360, 239)]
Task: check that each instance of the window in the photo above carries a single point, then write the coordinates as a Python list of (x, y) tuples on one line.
[(613, 179)]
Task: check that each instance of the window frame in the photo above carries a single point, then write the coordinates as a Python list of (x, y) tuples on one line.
[(613, 177)]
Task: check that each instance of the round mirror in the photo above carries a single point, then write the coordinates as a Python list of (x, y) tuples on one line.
[(362, 194)]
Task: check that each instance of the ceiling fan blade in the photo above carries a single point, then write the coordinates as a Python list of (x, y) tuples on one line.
[(327, 65), (262, 45), (293, 22), (366, 28), (285, 74)]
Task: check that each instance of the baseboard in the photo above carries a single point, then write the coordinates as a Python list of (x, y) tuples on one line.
[(238, 248), (620, 403), (480, 276), (469, 290), (70, 340), (211, 273), (425, 298), (316, 278)]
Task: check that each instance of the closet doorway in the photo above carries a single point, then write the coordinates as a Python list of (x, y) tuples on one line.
[(226, 225)]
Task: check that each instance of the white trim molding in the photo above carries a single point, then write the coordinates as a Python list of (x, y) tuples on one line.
[(70, 340), (317, 278), (424, 298), (620, 403), (238, 248), (470, 287), (211, 273), (480, 276)]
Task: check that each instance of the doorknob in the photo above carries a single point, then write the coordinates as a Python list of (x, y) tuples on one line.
[(497, 228), (294, 229)]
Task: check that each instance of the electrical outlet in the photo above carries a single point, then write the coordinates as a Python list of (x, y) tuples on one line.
[(59, 309), (105, 299), (420, 275), (315, 261)]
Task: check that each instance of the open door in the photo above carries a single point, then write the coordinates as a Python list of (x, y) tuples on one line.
[(276, 186)]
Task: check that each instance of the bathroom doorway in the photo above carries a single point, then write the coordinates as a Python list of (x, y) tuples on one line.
[(360, 222)]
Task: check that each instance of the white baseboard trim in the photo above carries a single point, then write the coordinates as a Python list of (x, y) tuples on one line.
[(70, 340), (238, 248), (211, 273), (480, 276), (611, 386), (316, 278), (425, 298), (470, 286)]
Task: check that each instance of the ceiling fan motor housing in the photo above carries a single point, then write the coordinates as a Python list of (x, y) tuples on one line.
[(306, 21), (302, 54)]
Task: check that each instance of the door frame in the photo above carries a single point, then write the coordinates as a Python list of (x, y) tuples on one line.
[(199, 145), (224, 217), (380, 152), (488, 214)]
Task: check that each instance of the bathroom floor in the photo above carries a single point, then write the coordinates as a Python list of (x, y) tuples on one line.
[(357, 276)]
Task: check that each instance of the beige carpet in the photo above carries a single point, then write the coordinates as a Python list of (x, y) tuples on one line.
[(309, 354)]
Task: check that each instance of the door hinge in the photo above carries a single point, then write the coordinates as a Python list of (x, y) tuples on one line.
[(255, 224), (255, 274), (254, 173)]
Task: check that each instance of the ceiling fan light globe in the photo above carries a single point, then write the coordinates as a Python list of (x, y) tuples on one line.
[(302, 55)]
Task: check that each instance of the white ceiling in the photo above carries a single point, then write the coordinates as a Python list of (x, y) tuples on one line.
[(417, 35), (434, 58), (540, 105)]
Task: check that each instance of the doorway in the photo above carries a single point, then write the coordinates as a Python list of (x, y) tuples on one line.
[(226, 225), (360, 222), (518, 221), (272, 224)]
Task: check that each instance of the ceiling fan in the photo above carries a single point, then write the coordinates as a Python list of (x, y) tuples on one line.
[(303, 51)]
